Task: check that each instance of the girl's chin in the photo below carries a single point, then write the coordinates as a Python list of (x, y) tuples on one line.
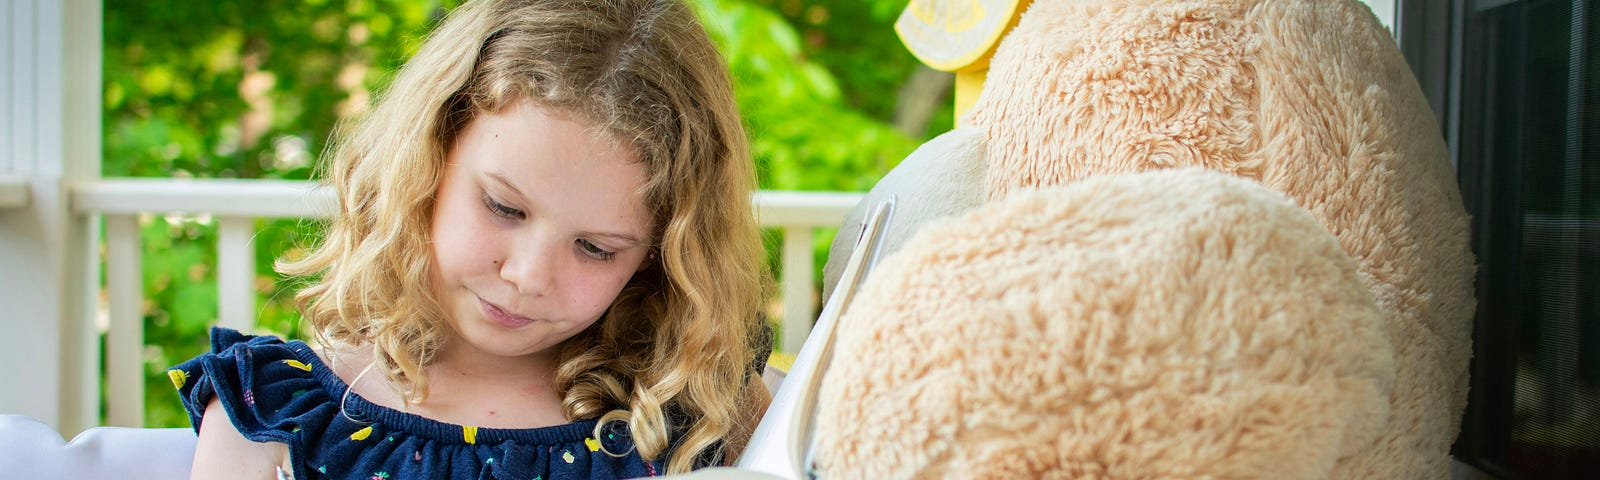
[(500, 343)]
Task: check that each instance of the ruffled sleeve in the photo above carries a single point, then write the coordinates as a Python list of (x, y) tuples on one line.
[(266, 386)]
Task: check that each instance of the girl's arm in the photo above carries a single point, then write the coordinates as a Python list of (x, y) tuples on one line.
[(753, 406), (222, 452)]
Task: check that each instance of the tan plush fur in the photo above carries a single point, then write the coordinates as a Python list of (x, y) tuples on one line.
[(1310, 97), (1174, 324)]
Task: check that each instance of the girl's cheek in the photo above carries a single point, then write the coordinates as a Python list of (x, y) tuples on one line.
[(467, 247)]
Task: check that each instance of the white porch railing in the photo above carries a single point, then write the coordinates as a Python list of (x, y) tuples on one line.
[(236, 204)]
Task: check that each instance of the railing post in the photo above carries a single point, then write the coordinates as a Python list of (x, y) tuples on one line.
[(125, 309), (798, 312), (236, 272), (50, 83)]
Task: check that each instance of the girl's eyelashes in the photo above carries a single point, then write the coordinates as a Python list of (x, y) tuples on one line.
[(501, 209), (588, 248), (594, 251)]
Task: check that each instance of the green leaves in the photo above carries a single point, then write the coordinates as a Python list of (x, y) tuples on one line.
[(803, 136)]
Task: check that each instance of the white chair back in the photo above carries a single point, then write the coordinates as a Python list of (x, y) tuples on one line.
[(32, 450)]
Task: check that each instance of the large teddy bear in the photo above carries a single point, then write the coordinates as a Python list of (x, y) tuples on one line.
[(1179, 239)]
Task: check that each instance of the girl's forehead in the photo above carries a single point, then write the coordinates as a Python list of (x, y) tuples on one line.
[(557, 164), (568, 122)]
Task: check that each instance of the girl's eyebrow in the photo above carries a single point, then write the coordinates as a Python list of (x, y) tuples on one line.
[(506, 184), (615, 236)]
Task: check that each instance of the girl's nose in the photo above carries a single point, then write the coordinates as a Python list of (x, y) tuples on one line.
[(530, 268)]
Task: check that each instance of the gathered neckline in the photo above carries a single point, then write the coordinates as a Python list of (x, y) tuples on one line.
[(361, 410)]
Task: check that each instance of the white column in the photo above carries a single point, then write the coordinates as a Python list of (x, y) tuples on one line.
[(50, 126), (125, 333), (798, 312), (236, 273)]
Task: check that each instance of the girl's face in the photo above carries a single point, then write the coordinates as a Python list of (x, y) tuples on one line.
[(537, 227)]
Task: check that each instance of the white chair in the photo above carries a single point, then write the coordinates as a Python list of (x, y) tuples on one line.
[(32, 450)]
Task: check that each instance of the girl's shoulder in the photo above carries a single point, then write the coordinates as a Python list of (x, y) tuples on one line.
[(281, 391), (268, 386)]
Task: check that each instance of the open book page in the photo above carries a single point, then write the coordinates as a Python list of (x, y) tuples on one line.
[(781, 444)]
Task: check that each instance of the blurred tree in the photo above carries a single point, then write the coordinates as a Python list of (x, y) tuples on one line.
[(252, 90), (888, 84)]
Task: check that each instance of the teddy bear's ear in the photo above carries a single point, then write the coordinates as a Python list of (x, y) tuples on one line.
[(958, 35), (942, 177), (1172, 324)]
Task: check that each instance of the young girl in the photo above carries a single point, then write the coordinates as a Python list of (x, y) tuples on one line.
[(544, 265)]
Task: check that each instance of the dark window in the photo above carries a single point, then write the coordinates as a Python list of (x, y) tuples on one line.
[(1526, 128)]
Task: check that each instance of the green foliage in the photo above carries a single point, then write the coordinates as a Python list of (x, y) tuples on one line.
[(243, 89), (804, 136), (833, 31), (253, 90)]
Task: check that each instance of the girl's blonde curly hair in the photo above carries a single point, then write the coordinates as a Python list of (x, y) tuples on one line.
[(678, 338)]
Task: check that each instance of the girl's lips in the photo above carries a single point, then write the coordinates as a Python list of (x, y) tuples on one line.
[(503, 318)]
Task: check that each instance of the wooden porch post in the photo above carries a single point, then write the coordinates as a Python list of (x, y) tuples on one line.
[(50, 95)]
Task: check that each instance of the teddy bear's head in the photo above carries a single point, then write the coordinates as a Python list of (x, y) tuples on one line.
[(1161, 325)]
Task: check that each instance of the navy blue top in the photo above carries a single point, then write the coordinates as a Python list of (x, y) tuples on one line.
[(276, 391)]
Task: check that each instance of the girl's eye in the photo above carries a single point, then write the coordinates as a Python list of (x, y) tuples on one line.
[(595, 252), (501, 209)]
